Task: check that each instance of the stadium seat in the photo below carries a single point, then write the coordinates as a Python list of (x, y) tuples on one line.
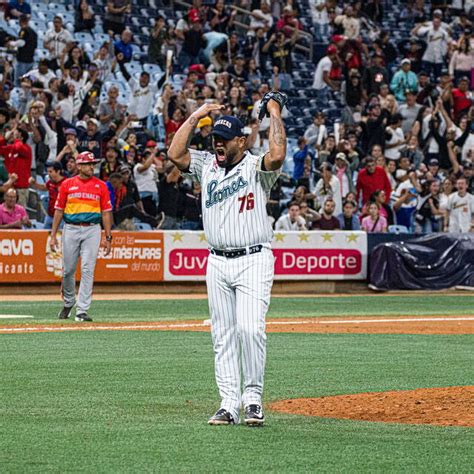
[(398, 229)]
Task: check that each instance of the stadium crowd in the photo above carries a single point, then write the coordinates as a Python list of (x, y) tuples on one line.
[(380, 117)]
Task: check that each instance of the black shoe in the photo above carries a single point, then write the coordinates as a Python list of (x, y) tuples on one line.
[(83, 317), (254, 415), (65, 312), (222, 417)]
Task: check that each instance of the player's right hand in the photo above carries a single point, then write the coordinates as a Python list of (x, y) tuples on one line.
[(53, 243), (206, 109)]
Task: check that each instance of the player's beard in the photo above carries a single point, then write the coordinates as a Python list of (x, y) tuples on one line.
[(225, 157)]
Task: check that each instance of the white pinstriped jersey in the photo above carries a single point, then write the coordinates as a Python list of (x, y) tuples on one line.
[(234, 205)]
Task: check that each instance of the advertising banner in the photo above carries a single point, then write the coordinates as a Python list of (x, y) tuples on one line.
[(26, 256), (331, 255)]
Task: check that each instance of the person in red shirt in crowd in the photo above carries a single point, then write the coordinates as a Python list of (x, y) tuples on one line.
[(56, 178), (370, 179), (18, 159), (462, 98), (13, 215), (288, 21)]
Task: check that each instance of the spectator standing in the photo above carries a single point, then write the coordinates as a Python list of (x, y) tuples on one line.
[(13, 215), (322, 82), (396, 139), (123, 48), (42, 73), (375, 75), (291, 221), (409, 111), (26, 43), (56, 178), (329, 187), (349, 22), (428, 214), (57, 40), (84, 19), (370, 179), (145, 178), (110, 112), (18, 159), (317, 132), (303, 157), (460, 209), (116, 14), (158, 37), (437, 45), (194, 43), (192, 218), (404, 79)]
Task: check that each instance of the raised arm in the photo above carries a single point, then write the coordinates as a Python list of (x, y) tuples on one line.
[(178, 151), (277, 138)]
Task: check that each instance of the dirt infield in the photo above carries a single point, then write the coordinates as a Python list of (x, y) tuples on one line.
[(355, 325), (445, 406)]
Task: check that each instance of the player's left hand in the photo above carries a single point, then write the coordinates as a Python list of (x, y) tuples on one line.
[(107, 247)]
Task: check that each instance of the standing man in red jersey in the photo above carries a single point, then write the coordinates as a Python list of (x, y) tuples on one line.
[(83, 201)]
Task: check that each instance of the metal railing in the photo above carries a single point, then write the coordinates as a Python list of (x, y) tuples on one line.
[(302, 34)]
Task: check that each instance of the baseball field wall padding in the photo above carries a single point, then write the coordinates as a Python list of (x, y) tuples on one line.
[(432, 262), (182, 256)]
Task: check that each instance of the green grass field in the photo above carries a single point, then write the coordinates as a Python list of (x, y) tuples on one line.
[(138, 401)]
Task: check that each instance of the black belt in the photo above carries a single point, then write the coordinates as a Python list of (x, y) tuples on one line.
[(237, 252)]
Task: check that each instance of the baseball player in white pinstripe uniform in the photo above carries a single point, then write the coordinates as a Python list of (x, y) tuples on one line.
[(235, 188)]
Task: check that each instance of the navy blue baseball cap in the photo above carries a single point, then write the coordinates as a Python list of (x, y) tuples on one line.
[(228, 127)]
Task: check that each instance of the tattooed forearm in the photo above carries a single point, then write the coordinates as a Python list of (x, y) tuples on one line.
[(277, 131), (193, 120)]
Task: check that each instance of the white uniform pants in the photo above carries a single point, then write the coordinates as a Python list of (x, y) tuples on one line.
[(78, 242), (239, 295)]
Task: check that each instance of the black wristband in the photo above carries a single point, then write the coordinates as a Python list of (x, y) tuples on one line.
[(108, 238)]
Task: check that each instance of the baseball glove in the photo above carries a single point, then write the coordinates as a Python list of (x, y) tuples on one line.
[(279, 97)]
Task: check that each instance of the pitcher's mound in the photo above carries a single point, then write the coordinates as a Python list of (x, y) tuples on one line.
[(445, 406)]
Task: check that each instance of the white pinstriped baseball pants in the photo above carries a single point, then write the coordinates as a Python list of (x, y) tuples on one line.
[(239, 292)]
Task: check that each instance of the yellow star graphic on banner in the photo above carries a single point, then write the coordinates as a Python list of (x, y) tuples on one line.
[(279, 238), (202, 237), (177, 237), (303, 237), (327, 237), (352, 237)]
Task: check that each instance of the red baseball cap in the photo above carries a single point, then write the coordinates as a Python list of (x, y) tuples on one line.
[(85, 158), (331, 49), (193, 16), (150, 144)]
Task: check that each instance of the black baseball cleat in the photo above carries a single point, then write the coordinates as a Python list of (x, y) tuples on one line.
[(65, 312), (254, 415), (83, 317), (222, 417)]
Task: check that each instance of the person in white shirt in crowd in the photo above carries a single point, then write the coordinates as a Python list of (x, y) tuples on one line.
[(42, 73), (322, 83), (396, 139), (329, 187), (437, 38), (317, 132), (142, 95), (349, 22), (320, 16), (460, 209), (105, 60), (146, 178), (57, 41), (409, 111), (261, 17), (293, 220)]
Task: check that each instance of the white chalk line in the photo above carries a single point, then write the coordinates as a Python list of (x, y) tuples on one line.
[(15, 316), (205, 324)]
